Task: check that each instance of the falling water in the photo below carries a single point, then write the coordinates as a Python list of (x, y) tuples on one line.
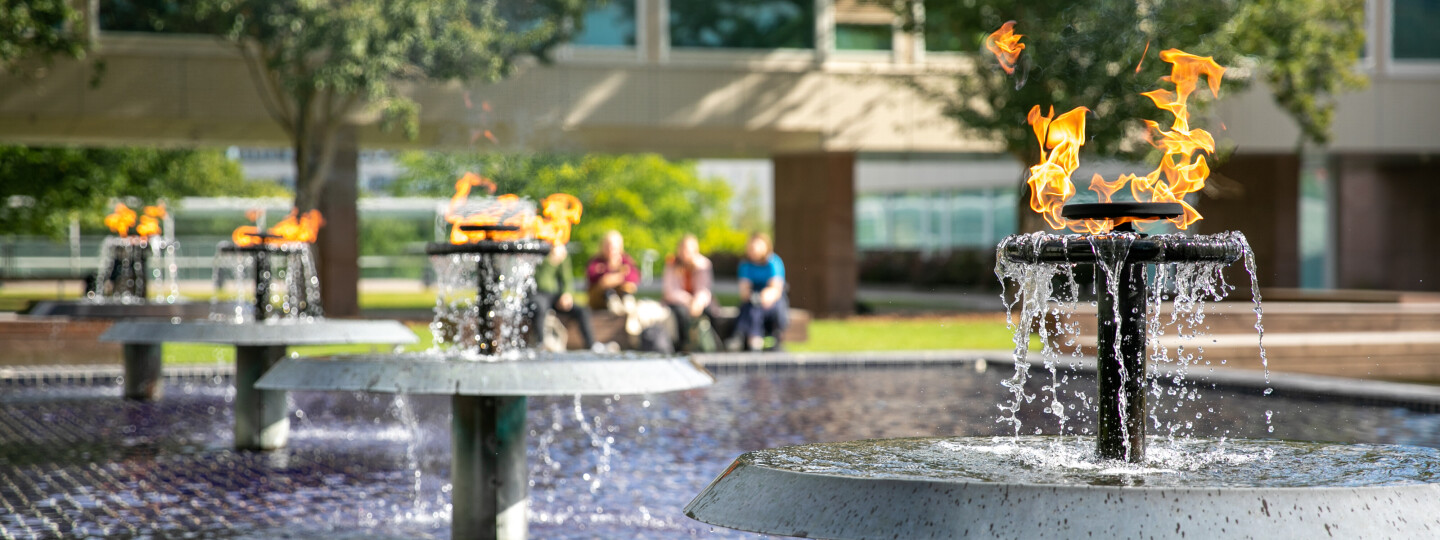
[(1043, 297), (457, 325), (289, 269)]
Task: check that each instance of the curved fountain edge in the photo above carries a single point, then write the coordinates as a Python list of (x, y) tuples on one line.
[(834, 506)]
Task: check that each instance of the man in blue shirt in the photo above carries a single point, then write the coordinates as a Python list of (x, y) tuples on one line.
[(763, 306)]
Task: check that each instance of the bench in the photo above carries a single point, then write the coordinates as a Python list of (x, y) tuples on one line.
[(611, 327)]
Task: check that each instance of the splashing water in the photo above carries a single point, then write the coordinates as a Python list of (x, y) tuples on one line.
[(1043, 297), (460, 328), (289, 270)]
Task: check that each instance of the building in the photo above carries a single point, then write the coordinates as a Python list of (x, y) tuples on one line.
[(815, 87)]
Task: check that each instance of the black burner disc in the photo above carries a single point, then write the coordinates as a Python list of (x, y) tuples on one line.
[(530, 246), (489, 228), (1114, 210)]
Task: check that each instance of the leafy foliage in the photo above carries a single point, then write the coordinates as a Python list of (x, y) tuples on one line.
[(1102, 54), (650, 200), (45, 187), (318, 63), (39, 30)]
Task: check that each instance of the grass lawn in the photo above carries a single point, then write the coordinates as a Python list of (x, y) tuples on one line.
[(864, 333), (908, 334)]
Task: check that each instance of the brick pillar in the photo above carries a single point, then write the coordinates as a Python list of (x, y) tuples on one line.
[(815, 230), (338, 245), (1259, 195)]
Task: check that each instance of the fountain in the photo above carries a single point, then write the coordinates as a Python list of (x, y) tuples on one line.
[(260, 332), (482, 360), (1114, 481), (125, 279)]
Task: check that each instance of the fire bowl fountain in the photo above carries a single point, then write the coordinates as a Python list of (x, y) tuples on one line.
[(489, 372), (1046, 486), (260, 333), (123, 288)]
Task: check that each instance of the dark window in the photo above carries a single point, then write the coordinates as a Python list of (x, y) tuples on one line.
[(608, 24), (161, 16), (1415, 30), (743, 24), (863, 37), (942, 28)]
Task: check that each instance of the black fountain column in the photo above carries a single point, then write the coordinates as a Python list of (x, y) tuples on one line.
[(1121, 351), (262, 417), (130, 272), (1120, 367), (489, 476)]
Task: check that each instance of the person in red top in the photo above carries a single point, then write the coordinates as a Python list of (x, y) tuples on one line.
[(686, 287), (612, 274)]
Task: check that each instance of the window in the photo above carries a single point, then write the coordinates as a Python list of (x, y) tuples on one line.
[(160, 16), (743, 24), (863, 37), (608, 24), (1414, 35)]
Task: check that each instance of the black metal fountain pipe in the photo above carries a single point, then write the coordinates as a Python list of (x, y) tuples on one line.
[(1120, 366)]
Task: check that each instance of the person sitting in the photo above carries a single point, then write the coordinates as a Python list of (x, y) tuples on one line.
[(686, 288), (553, 282), (764, 309), (613, 278)]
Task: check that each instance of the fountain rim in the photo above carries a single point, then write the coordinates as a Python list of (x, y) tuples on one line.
[(501, 247), (745, 460), (1123, 209), (264, 246), (1137, 248)]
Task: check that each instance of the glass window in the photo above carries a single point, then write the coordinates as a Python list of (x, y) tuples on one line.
[(608, 24), (862, 37), (743, 24), (166, 16), (1415, 36)]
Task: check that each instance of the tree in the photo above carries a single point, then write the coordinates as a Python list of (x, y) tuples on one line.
[(37, 30), (319, 63), (1103, 54), (46, 187), (650, 200)]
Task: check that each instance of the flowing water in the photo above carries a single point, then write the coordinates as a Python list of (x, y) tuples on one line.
[(288, 269), (77, 461), (135, 270), (457, 325), (1044, 297)]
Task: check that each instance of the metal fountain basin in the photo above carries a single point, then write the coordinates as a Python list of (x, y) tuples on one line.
[(546, 374)]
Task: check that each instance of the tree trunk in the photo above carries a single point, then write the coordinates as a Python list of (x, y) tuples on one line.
[(338, 245)]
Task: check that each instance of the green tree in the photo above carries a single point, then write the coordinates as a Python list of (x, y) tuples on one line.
[(1103, 54), (650, 200), (37, 30), (46, 187), (319, 63)]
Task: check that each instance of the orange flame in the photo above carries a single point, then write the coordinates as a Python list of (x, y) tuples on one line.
[(121, 220), (1180, 172), (150, 220), (557, 213), (295, 227), (1005, 45)]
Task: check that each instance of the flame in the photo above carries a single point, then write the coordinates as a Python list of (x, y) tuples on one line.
[(150, 220), (1050, 179), (121, 220), (558, 213), (296, 227), (1180, 172), (1005, 45)]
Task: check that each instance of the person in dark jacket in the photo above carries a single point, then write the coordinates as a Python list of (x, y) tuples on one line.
[(554, 280)]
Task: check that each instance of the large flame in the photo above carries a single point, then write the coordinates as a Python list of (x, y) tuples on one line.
[(558, 213), (296, 227), (121, 220), (1005, 45), (1180, 172)]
